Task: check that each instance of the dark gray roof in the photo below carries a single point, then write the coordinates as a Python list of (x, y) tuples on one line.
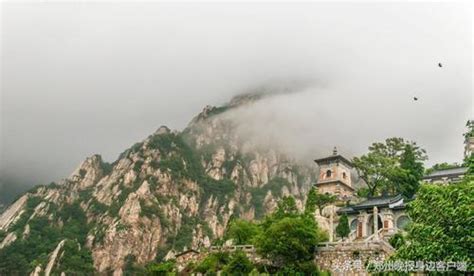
[(377, 201), (380, 201), (346, 210), (333, 158), (448, 172)]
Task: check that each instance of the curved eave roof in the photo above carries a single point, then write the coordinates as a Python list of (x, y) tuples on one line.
[(337, 157), (447, 173), (392, 202)]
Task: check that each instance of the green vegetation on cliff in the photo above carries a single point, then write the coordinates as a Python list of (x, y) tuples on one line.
[(274, 186), (24, 254)]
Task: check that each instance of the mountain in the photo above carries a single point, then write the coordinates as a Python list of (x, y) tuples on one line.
[(171, 191)]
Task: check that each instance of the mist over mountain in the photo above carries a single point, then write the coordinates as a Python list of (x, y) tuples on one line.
[(78, 79), (170, 191)]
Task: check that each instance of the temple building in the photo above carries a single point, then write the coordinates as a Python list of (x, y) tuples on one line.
[(372, 218), (377, 217), (372, 221), (444, 177), (335, 176)]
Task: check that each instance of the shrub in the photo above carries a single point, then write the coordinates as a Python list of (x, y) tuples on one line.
[(131, 268), (242, 231), (3, 234), (165, 268), (275, 185), (239, 264), (397, 240), (76, 259), (213, 263), (343, 228)]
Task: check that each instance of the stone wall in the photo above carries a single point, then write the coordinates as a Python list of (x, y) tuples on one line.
[(351, 258)]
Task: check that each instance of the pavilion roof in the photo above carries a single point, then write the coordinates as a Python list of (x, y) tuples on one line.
[(381, 201), (448, 172), (331, 158)]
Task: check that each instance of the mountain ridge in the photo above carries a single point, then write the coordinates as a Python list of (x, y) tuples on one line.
[(171, 191)]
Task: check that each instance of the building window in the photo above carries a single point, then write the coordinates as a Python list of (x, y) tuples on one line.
[(354, 224), (344, 176), (328, 173), (402, 222)]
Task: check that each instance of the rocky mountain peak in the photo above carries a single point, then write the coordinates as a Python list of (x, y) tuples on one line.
[(170, 191), (162, 130), (89, 171)]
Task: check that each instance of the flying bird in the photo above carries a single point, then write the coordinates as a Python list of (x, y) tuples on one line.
[(440, 65), (415, 98)]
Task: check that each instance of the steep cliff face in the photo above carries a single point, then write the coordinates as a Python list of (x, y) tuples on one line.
[(172, 190)]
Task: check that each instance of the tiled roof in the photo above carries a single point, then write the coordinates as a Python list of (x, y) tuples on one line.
[(377, 201), (332, 158), (346, 209), (372, 202), (454, 171)]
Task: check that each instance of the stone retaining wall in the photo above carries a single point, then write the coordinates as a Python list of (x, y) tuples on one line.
[(350, 258)]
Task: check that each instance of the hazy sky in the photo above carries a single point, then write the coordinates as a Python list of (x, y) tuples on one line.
[(79, 79)]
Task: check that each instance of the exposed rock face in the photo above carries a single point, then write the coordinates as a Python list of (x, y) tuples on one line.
[(12, 213), (11, 237), (172, 190), (36, 272), (89, 172), (53, 258)]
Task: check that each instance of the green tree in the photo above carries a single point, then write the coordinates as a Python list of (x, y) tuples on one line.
[(22, 256), (286, 207), (3, 234), (397, 240), (131, 267), (410, 175), (76, 259), (213, 263), (363, 192), (289, 241), (381, 168), (470, 129), (470, 168), (242, 231), (239, 264), (288, 237), (166, 268), (310, 205), (343, 229), (322, 200), (445, 234)]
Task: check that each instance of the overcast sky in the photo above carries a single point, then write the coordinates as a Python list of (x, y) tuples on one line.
[(79, 79)]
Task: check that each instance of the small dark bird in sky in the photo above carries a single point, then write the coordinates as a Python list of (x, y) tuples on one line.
[(415, 98), (440, 65)]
